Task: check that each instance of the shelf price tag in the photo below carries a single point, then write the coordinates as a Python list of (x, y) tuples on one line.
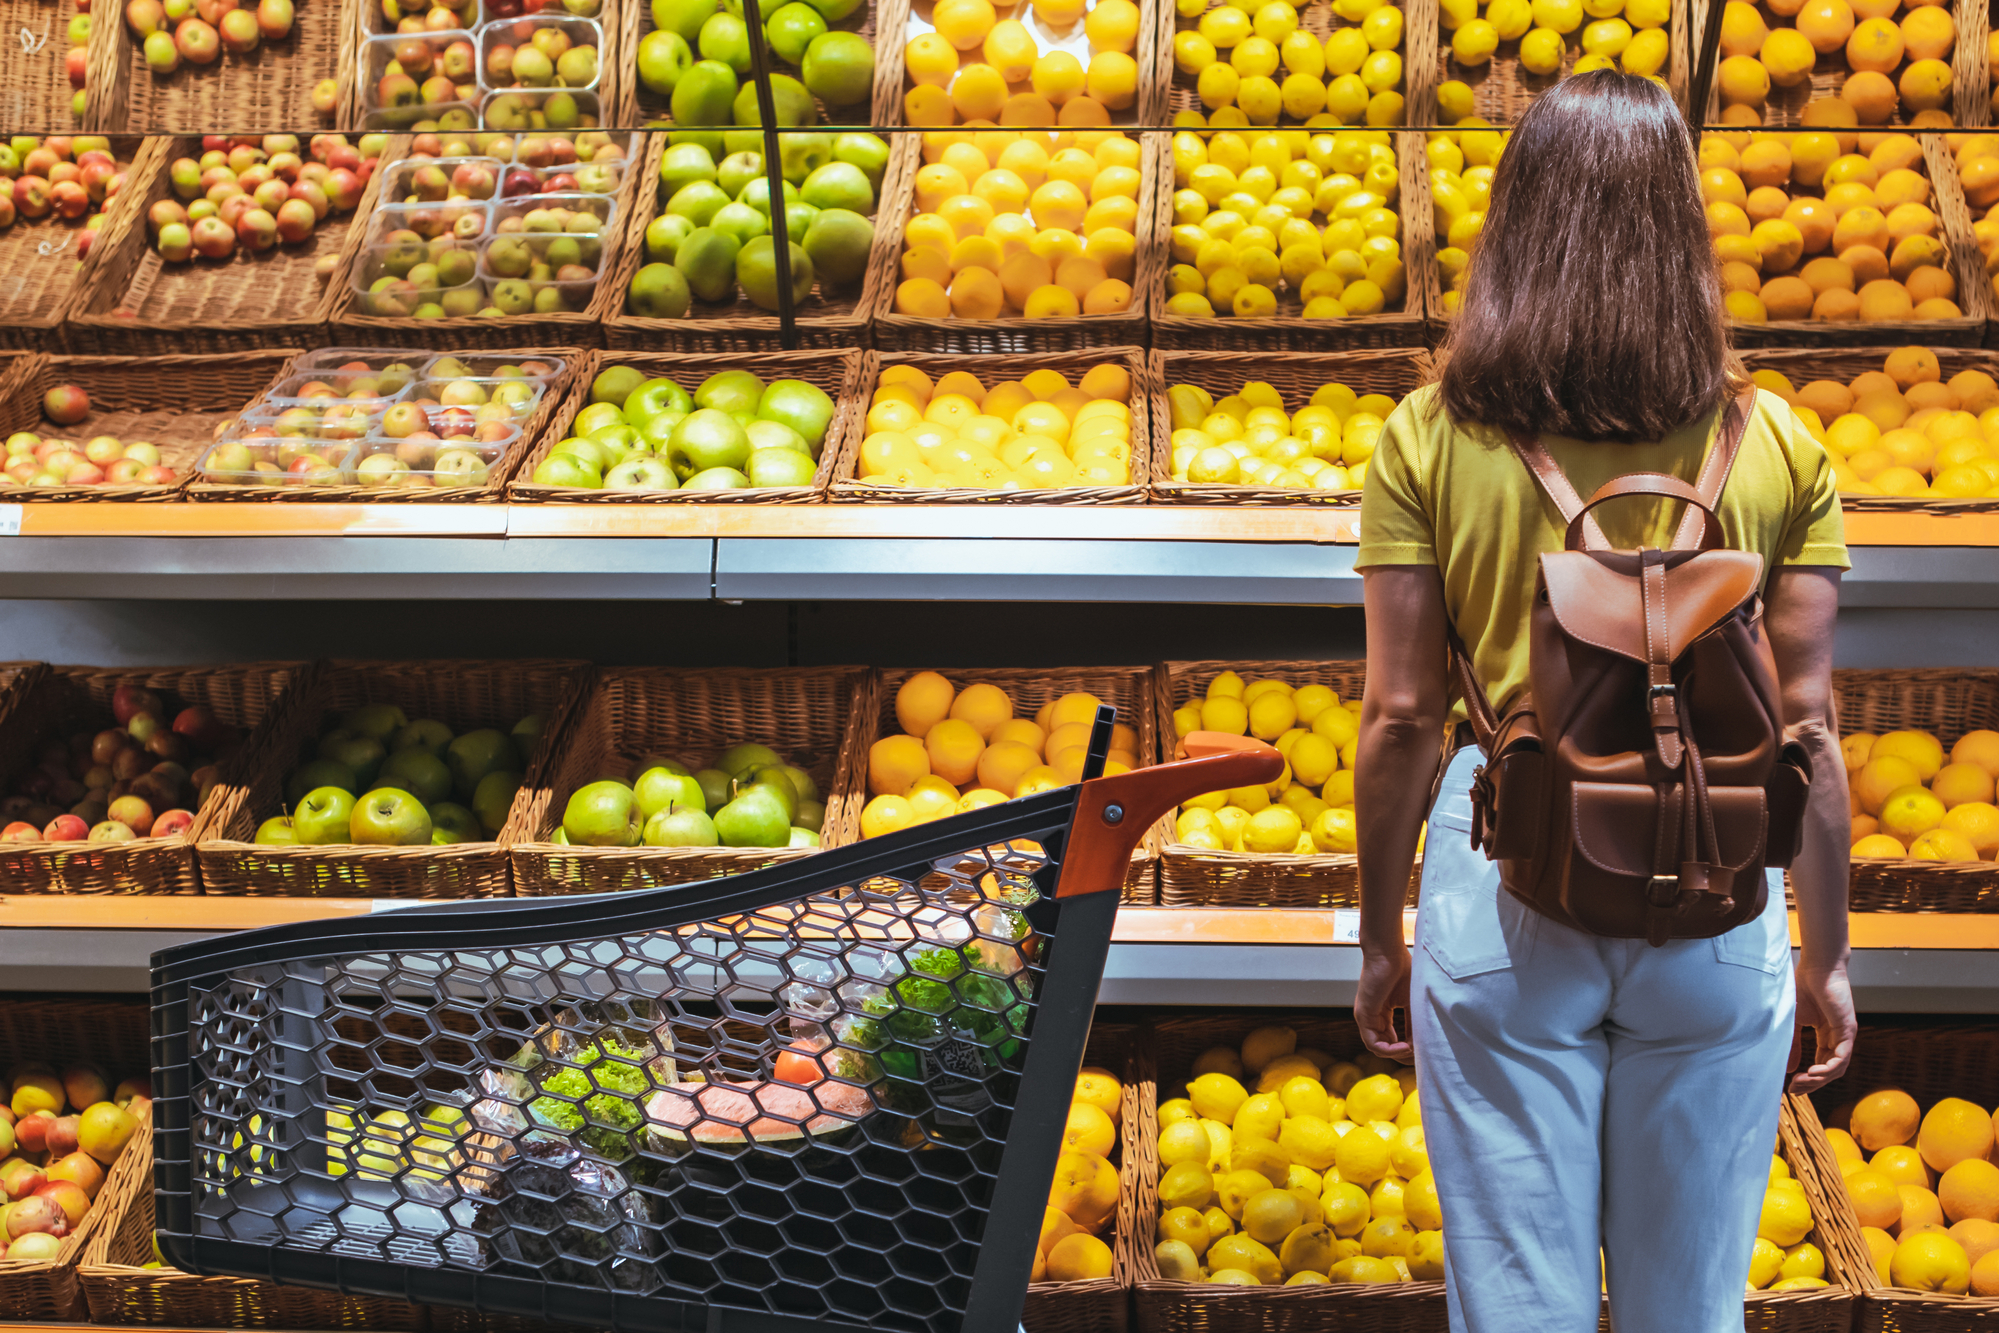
[(1346, 925), (10, 520)]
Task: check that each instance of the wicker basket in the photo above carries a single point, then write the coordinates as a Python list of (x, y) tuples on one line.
[(812, 716), (42, 251), (1418, 47), (1503, 89), (1288, 330), (1295, 375), (62, 1032), (1929, 1061), (847, 485), (136, 303), (1967, 266), (68, 699), (1199, 1307), (838, 373), (1970, 85), (1802, 365), (1947, 703), (532, 437), (567, 328), (1013, 334), (34, 68), (824, 320), (1149, 107), (1126, 689), (460, 694), (177, 402), (1849, 1269), (120, 1289), (1103, 1305), (271, 85), (879, 22), (1190, 877)]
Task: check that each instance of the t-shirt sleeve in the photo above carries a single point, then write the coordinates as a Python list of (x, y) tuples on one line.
[(1395, 521), (1816, 532)]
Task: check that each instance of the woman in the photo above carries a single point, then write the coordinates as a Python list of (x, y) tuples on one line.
[(1582, 1093)]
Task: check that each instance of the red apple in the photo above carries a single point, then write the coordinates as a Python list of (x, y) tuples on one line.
[(70, 199), (33, 1213), (31, 1132), (22, 1180), (145, 16), (128, 701), (239, 31), (69, 1197), (66, 404), (62, 1135), (171, 823), (85, 473), (257, 229), (76, 64), (19, 831), (211, 12), (214, 238), (133, 813), (31, 196), (274, 18), (197, 41)]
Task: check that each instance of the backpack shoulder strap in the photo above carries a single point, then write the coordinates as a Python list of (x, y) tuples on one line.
[(1556, 486), (1715, 468)]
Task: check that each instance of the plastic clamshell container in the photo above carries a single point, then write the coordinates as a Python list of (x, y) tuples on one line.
[(548, 175), (375, 56), (399, 185), (486, 365), (338, 473), (323, 361), (289, 392), (430, 220), (414, 463), (520, 32), (434, 390), (501, 108), (373, 264), (575, 293), (300, 422)]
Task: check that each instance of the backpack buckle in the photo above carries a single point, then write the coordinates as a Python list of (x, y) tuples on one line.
[(1663, 891), (1663, 703)]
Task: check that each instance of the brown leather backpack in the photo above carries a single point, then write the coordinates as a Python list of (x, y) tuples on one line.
[(1643, 781)]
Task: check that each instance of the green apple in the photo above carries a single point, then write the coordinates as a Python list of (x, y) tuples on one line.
[(798, 219), (812, 815), (597, 455), (362, 755), (704, 93), (716, 787), (681, 826), (659, 788), (658, 291), (806, 408), (619, 436), (664, 235), (320, 773), (781, 467), (656, 434), (756, 270), (802, 783), (834, 10), (604, 412), (775, 435), (726, 38), (736, 171), (839, 67), (682, 165), (567, 470), (742, 222), (707, 439), (742, 141), (757, 194), (803, 154), (717, 479), (803, 837), (792, 29), (276, 831), (866, 151), (663, 57), (321, 818), (839, 185), (379, 721), (390, 817), (603, 814), (647, 763), (682, 16), (709, 139), (697, 201), (839, 241), (730, 391), (654, 397), (424, 733), (493, 797), (475, 754), (707, 259), (738, 761), (418, 772), (788, 98), (526, 735), (641, 472), (453, 823), (756, 818), (773, 777)]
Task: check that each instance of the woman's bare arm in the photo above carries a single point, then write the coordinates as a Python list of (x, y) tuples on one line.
[(1401, 731), (1799, 618)]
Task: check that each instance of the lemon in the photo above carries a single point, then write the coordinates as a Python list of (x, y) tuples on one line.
[(1335, 831), (1361, 1157), (1387, 1237), (1509, 18), (1541, 51), (1346, 1207), (1246, 1254), (1186, 1225), (1178, 1261), (1786, 1217), (1220, 1141), (1420, 1203), (1309, 1141), (1272, 1215), (1184, 1142), (1260, 1116), (1216, 1096), (1377, 1097), (1224, 714), (1261, 1157), (1409, 1153), (1304, 1097), (1803, 1260), (1474, 42)]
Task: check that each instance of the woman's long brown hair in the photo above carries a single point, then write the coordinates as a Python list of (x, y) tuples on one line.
[(1593, 305)]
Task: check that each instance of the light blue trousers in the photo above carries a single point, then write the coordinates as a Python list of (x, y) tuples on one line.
[(1581, 1092)]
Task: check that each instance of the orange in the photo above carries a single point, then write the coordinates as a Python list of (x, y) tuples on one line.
[(1826, 24), (1978, 1237), (1877, 1202), (1903, 1165), (1883, 1119), (1101, 1089), (1920, 1210), (1881, 1247), (1876, 45), (953, 748), (1962, 784), (1872, 97), (895, 763), (1088, 1130), (922, 701), (1969, 1190), (922, 298), (1003, 763), (982, 704), (886, 814), (1079, 1258), (1921, 750), (963, 23), (1880, 776), (1978, 747), (1086, 1188), (1978, 824), (1985, 1275)]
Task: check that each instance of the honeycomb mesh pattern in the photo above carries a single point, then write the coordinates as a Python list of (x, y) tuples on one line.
[(795, 1110)]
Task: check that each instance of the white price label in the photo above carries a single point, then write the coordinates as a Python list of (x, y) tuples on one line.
[(1346, 925), (10, 520)]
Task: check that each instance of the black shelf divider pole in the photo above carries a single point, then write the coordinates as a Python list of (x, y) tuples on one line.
[(1703, 81), (780, 229)]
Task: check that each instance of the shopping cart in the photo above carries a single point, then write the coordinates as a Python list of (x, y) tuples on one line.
[(827, 1093)]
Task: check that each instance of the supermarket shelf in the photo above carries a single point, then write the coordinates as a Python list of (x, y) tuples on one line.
[(972, 565), (1903, 963)]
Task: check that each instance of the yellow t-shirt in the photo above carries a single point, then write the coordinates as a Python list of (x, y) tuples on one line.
[(1462, 500)]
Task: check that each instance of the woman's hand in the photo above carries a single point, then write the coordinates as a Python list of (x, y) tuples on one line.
[(1384, 988), (1825, 1005)]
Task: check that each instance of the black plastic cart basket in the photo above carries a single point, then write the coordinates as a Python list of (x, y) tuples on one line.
[(828, 1093)]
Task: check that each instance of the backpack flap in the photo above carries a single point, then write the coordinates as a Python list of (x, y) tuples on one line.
[(1598, 597)]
